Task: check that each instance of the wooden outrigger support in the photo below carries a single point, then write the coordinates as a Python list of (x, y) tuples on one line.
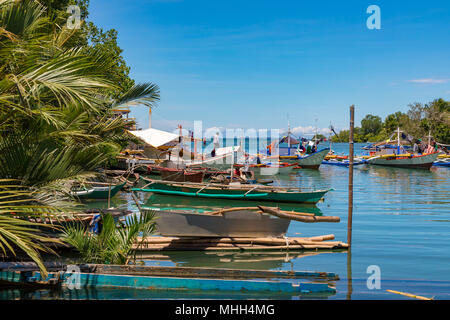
[(238, 244)]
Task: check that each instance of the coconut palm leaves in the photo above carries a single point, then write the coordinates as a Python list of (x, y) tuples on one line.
[(17, 234), (56, 118), (114, 244), (57, 123)]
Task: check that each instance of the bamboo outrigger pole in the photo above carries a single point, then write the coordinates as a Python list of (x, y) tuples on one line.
[(350, 177)]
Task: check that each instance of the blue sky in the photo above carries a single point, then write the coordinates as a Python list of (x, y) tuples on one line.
[(254, 64)]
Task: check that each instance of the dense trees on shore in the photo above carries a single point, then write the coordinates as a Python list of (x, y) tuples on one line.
[(418, 121)]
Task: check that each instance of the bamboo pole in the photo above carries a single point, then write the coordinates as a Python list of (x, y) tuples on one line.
[(409, 295), (306, 219), (221, 211), (191, 247), (253, 241), (350, 178), (158, 239)]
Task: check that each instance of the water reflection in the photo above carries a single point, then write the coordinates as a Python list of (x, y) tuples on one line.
[(143, 294), (267, 260)]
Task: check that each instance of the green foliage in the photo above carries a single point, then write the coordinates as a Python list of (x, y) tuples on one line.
[(17, 233), (371, 125), (114, 244), (419, 121), (57, 124)]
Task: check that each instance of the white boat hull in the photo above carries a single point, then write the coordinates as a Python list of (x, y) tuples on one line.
[(243, 224)]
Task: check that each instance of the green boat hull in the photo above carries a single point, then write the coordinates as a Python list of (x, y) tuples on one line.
[(236, 194), (103, 193)]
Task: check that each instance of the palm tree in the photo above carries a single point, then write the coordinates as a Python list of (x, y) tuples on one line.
[(56, 115)]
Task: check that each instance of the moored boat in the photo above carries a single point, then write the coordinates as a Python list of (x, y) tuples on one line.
[(181, 175), (233, 191), (424, 161), (238, 223), (269, 169), (313, 160), (99, 192)]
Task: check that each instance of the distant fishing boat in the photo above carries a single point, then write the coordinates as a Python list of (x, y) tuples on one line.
[(103, 192), (222, 160), (399, 158), (269, 169), (424, 161), (343, 162), (233, 191), (181, 175), (313, 160)]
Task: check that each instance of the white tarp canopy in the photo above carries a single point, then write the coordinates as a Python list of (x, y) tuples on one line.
[(157, 138)]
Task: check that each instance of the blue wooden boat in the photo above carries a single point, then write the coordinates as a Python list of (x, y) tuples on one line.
[(343, 163), (95, 280)]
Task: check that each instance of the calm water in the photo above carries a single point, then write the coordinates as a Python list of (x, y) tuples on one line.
[(401, 223)]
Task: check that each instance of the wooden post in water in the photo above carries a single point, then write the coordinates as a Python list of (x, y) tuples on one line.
[(109, 196), (350, 177)]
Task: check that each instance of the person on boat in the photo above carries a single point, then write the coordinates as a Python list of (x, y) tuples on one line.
[(301, 147), (309, 147), (416, 147), (216, 141)]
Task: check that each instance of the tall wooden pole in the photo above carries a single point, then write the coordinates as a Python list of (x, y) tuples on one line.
[(350, 177), (149, 117)]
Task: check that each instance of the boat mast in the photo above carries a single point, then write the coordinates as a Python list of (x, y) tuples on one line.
[(398, 140), (289, 138), (329, 136)]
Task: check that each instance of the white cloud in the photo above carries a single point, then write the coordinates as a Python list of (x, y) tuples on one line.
[(429, 81), (309, 131)]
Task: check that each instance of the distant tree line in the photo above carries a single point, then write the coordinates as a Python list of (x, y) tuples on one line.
[(418, 121)]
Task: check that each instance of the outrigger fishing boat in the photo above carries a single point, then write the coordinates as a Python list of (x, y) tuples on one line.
[(288, 149), (424, 161), (397, 157), (105, 191), (233, 191), (268, 169), (343, 162), (242, 222)]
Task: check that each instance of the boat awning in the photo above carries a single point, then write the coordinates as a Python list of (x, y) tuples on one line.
[(157, 138)]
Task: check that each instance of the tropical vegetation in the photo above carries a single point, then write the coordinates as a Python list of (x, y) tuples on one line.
[(115, 242), (419, 121), (59, 88)]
